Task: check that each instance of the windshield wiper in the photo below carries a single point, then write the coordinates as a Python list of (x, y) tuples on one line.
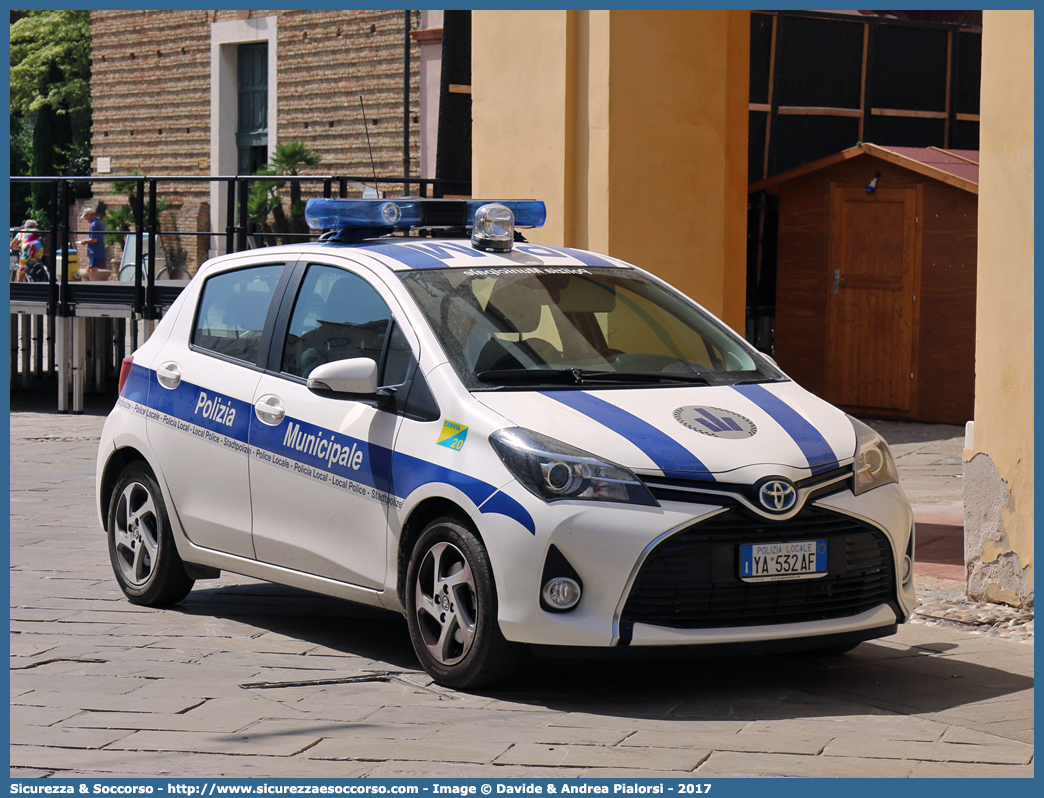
[(759, 380), (575, 376), (529, 375)]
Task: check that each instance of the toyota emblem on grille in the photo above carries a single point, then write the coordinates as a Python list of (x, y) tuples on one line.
[(777, 495)]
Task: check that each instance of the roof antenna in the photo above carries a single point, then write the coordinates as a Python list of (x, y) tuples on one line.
[(366, 127)]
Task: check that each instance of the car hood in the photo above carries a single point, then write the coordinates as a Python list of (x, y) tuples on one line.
[(690, 431)]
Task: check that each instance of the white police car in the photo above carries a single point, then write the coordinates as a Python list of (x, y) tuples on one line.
[(515, 445)]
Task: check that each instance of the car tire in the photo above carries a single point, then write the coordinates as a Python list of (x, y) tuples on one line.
[(451, 609), (141, 547)]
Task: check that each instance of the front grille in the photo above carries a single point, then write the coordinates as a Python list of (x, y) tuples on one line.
[(729, 494), (690, 580)]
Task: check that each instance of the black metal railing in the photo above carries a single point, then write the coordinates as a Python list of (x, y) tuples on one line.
[(145, 298)]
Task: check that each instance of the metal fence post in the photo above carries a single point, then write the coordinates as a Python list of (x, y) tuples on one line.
[(230, 216), (150, 286), (139, 251), (244, 196)]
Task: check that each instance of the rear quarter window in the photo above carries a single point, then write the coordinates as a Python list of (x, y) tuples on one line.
[(232, 310)]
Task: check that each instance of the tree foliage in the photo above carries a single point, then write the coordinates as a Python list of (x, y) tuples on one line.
[(51, 100), (40, 40)]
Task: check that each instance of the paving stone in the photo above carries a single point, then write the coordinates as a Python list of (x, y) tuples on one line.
[(19, 614), (20, 715), (930, 752), (959, 770), (22, 646), (785, 701), (517, 733), (590, 756), (176, 765), (1018, 662), (30, 773), (584, 721), (464, 770), (242, 742), (244, 643), (113, 685), (748, 765), (142, 721), (373, 695), (358, 729), (1021, 730), (450, 715), (980, 713), (66, 628), (901, 691), (132, 702), (765, 742), (427, 750), (884, 727), (65, 737), (959, 734)]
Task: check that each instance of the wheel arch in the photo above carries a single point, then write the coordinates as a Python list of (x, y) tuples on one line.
[(419, 518), (118, 461)]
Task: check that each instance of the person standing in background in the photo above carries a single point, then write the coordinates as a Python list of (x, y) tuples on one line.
[(95, 243), (30, 249)]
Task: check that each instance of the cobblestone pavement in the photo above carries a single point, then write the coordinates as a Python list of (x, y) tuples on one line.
[(250, 679), (942, 604)]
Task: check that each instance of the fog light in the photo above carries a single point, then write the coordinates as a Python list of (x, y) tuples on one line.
[(907, 568), (562, 593)]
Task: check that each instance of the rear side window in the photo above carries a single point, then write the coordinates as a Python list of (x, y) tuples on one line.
[(232, 311)]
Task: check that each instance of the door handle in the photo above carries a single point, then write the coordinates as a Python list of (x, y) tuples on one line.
[(269, 410), (169, 375), (837, 280)]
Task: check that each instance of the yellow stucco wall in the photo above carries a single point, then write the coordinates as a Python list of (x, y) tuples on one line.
[(632, 126), (1003, 430)]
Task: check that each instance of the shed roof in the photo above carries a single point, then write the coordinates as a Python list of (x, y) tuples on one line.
[(958, 168)]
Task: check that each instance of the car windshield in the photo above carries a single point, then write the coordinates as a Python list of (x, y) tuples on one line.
[(552, 327)]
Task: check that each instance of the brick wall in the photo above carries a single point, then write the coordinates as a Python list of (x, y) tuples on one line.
[(151, 97)]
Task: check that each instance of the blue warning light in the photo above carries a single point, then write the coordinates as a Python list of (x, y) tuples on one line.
[(405, 213)]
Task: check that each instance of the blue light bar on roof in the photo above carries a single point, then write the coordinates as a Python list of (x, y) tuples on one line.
[(409, 212), (528, 213)]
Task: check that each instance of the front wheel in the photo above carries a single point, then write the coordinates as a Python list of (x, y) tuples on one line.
[(451, 609), (141, 548)]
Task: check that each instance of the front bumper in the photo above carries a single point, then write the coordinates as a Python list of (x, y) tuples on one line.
[(667, 576)]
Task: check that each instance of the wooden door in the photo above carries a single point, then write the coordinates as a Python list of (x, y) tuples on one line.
[(873, 274)]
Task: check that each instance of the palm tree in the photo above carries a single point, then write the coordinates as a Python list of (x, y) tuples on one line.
[(288, 160)]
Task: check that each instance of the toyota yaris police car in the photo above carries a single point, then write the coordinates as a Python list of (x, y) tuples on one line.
[(517, 446)]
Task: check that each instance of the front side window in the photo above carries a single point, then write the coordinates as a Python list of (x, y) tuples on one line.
[(569, 326), (338, 315), (232, 311)]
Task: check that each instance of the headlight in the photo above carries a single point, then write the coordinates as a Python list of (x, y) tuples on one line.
[(874, 464), (554, 470)]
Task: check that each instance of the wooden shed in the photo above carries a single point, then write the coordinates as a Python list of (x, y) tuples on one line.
[(875, 290)]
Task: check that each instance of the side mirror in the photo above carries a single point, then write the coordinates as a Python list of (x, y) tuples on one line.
[(355, 375)]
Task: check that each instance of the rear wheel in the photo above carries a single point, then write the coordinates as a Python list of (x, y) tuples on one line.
[(141, 548), (451, 606)]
